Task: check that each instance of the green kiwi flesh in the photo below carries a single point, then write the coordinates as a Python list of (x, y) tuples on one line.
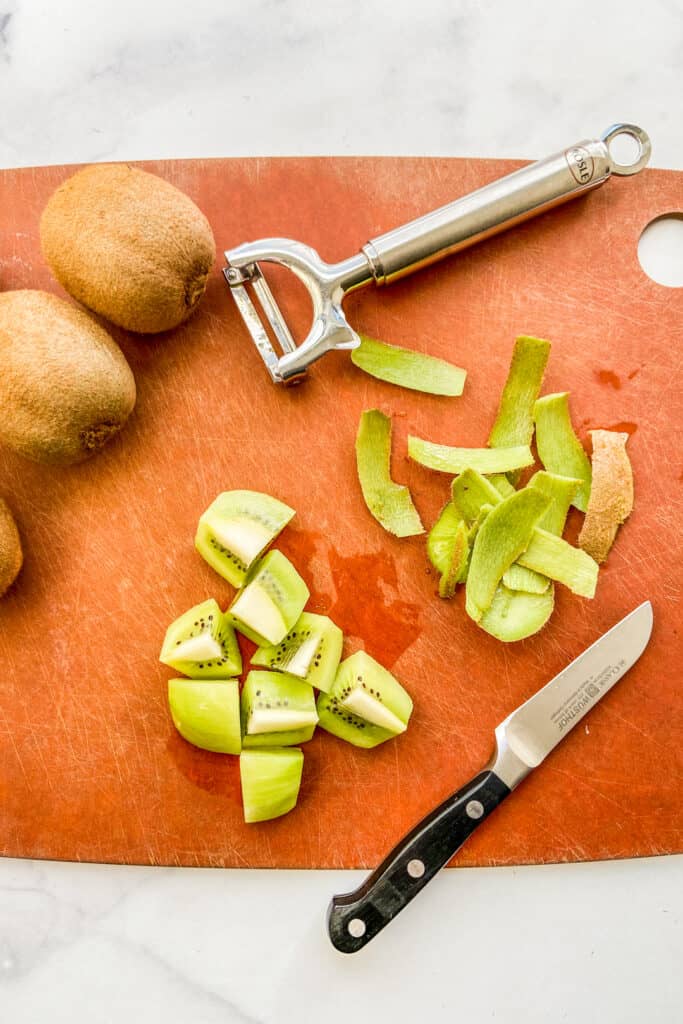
[(311, 651), (207, 713), (367, 705), (270, 780), (276, 710), (202, 644), (237, 528), (271, 601)]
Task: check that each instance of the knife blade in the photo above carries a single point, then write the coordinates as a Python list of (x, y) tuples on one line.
[(523, 740)]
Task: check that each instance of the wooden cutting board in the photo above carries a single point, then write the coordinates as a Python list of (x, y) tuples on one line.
[(90, 765)]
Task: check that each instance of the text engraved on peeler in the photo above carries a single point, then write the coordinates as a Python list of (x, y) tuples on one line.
[(580, 164)]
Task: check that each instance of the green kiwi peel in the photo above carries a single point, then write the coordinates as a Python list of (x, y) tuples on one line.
[(445, 459), (559, 449), (408, 369), (390, 503)]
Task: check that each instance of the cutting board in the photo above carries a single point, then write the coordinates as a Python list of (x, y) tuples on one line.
[(90, 765)]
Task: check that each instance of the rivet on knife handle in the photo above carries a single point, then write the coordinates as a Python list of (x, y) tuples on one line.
[(493, 208), (523, 741)]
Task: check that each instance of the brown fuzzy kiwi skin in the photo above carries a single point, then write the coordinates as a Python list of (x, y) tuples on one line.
[(11, 555), (65, 386), (129, 245), (611, 497)]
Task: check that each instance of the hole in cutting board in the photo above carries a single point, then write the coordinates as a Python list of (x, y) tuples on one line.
[(660, 250)]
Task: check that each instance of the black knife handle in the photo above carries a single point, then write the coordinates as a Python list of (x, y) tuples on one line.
[(356, 917)]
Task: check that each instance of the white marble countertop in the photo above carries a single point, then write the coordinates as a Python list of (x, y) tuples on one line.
[(82, 81)]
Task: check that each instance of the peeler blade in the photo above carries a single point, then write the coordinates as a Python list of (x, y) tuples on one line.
[(253, 276)]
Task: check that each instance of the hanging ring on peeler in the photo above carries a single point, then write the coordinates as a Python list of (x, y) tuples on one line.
[(644, 147)]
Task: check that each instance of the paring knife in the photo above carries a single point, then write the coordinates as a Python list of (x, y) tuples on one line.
[(523, 741)]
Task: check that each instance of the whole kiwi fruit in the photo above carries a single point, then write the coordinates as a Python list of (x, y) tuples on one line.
[(11, 556), (129, 245), (65, 386)]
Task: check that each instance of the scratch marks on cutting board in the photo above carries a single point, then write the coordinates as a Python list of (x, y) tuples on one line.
[(9, 733), (626, 809)]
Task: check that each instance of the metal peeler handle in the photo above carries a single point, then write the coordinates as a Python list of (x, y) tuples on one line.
[(491, 209), (503, 203)]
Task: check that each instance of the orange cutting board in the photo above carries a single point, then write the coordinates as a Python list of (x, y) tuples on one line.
[(90, 765)]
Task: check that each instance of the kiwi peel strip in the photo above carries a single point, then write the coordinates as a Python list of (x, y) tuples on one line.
[(441, 537), (514, 423), (554, 557), (518, 577), (547, 555), (445, 459), (562, 490), (611, 498), (559, 449), (408, 369), (390, 503), (470, 492), (503, 536), (457, 567), (502, 484)]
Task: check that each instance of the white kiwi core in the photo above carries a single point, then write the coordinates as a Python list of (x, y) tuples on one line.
[(262, 720), (372, 710), (198, 648), (256, 610), (246, 538)]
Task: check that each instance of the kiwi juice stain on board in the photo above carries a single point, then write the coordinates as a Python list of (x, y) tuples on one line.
[(609, 379), (302, 548), (214, 773), (623, 427), (359, 602), (363, 608)]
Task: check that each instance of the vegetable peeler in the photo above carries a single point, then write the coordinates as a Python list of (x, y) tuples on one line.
[(487, 211)]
